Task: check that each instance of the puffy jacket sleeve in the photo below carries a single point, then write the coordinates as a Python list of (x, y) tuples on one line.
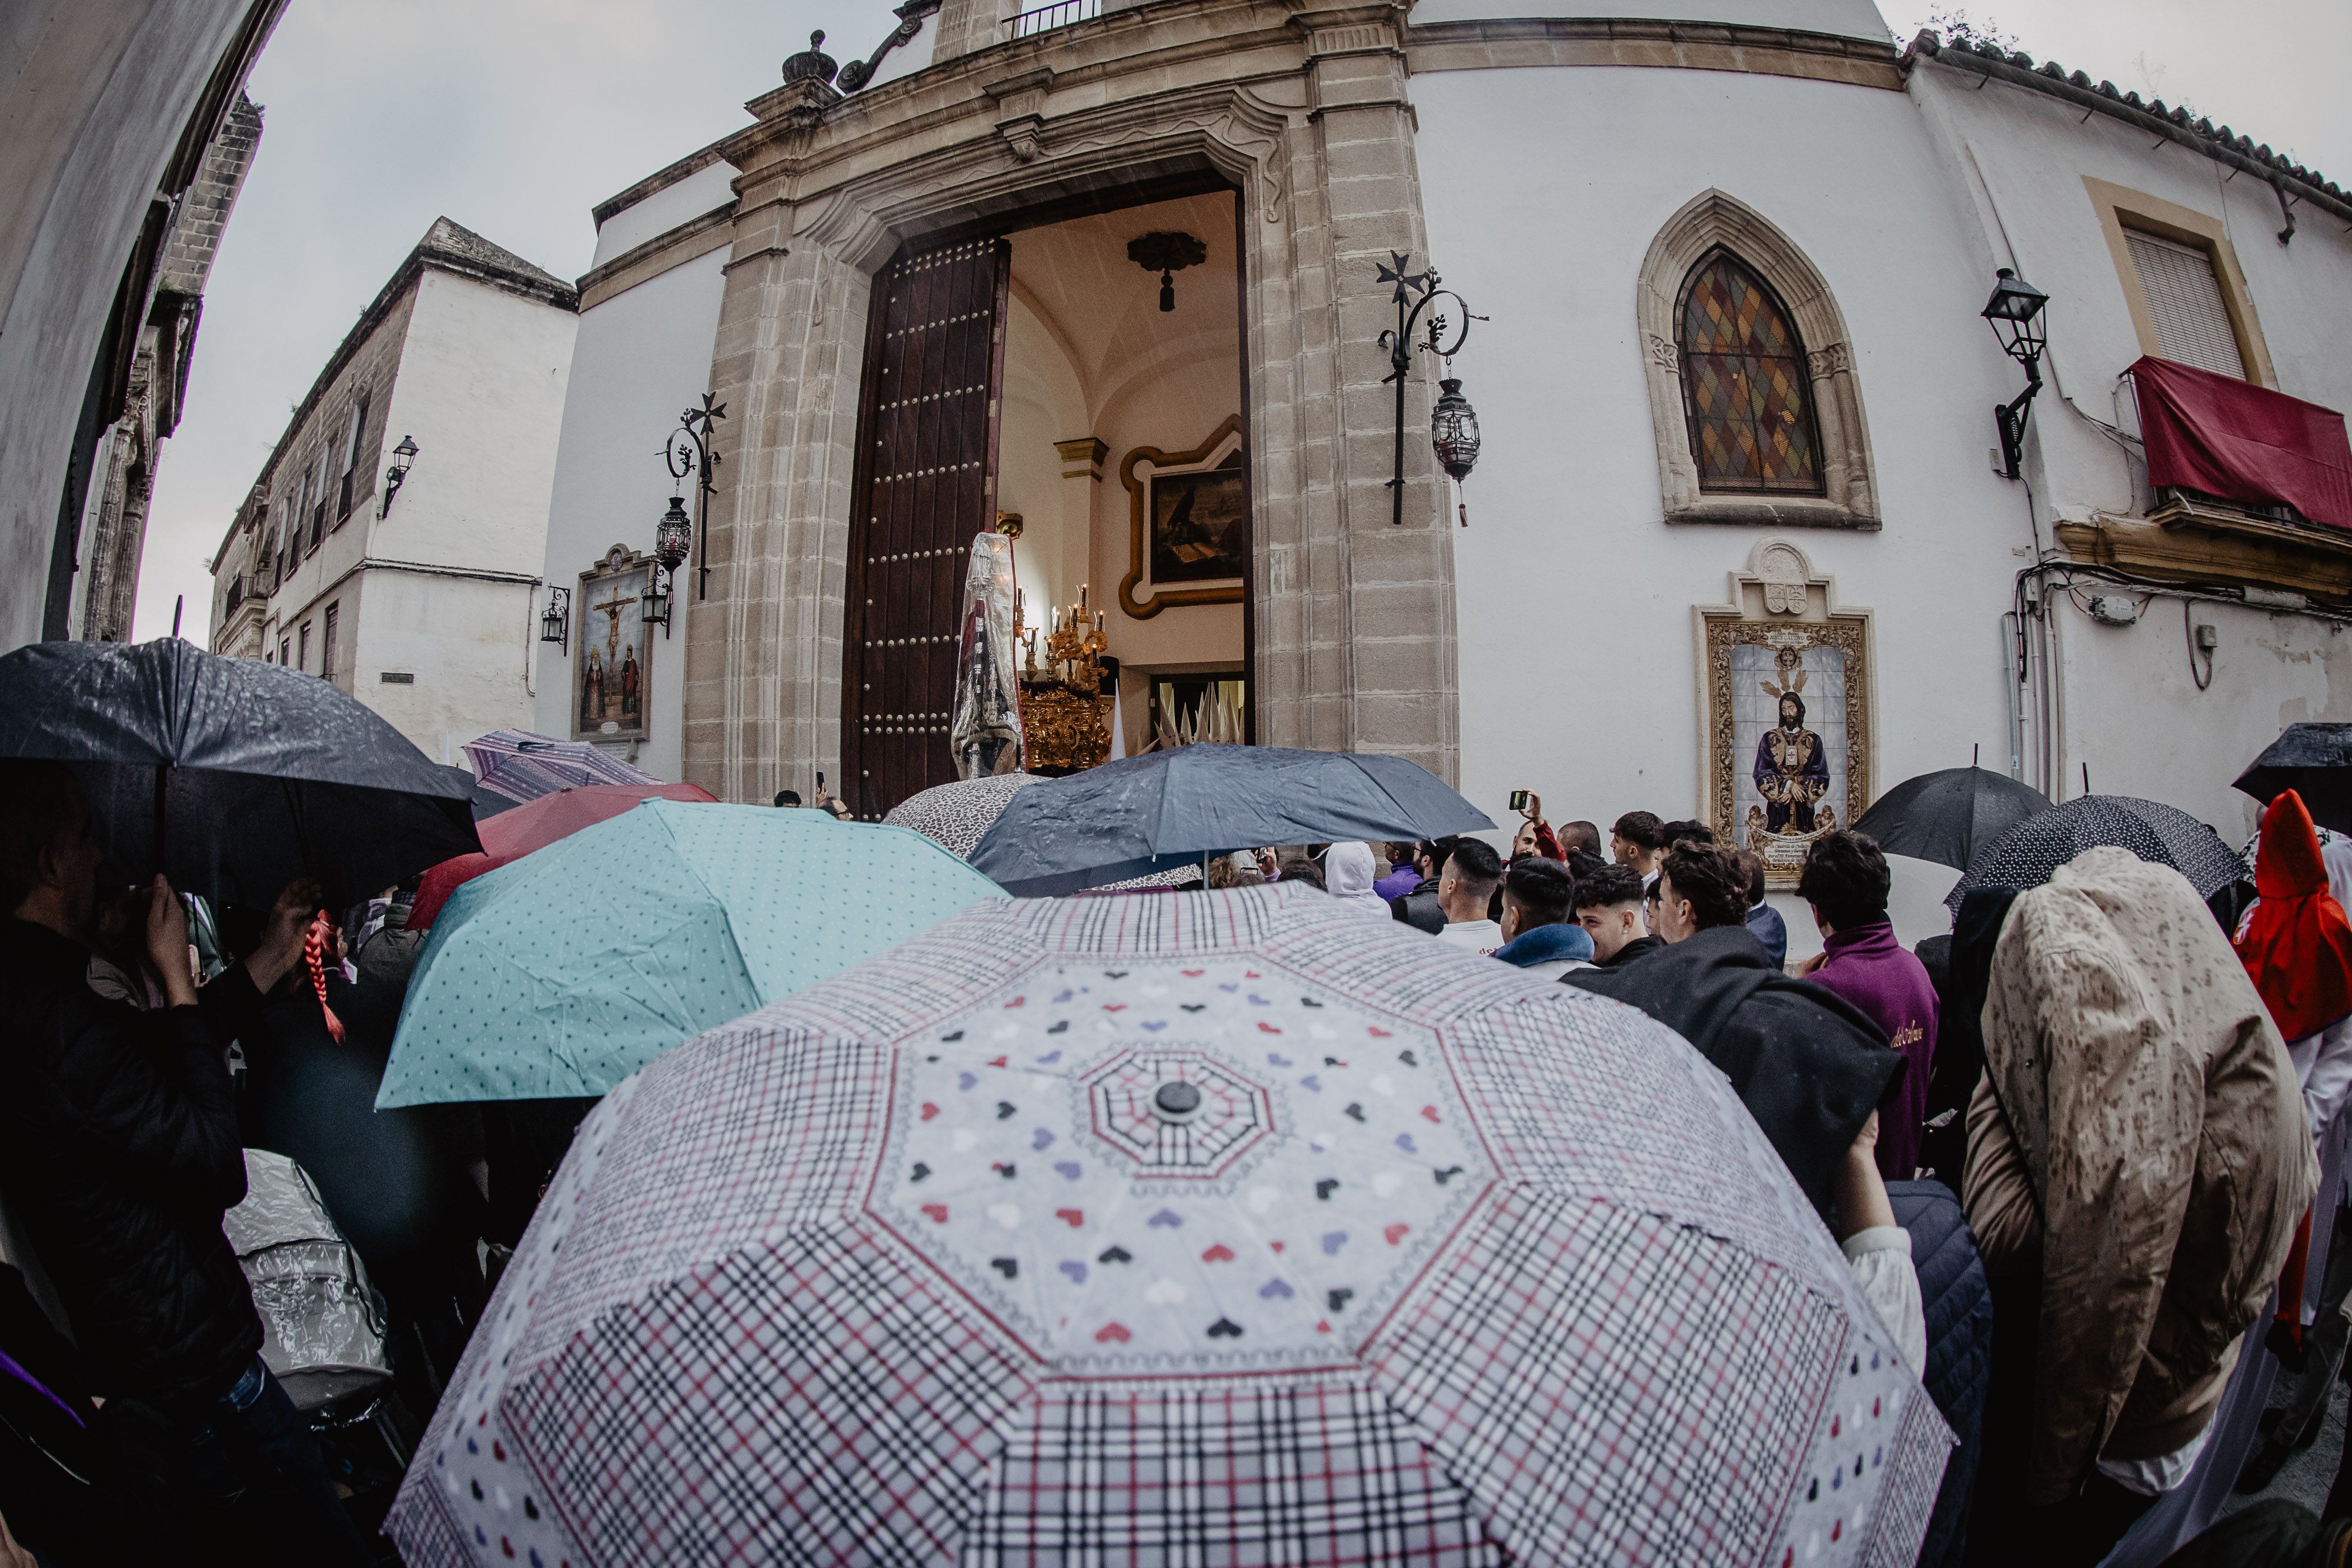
[(155, 1087), (2122, 1108), (1996, 1194)]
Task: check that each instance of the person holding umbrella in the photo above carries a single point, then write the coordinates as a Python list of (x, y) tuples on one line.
[(119, 1149)]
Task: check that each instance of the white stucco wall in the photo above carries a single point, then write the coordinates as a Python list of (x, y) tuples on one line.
[(689, 196), (644, 356), (468, 643), (1578, 668)]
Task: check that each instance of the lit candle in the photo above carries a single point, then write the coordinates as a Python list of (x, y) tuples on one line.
[(1082, 596), (1099, 620)]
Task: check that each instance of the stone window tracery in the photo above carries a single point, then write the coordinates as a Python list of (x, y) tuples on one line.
[(1753, 397)]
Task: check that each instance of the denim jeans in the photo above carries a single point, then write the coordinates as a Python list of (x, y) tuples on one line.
[(242, 1481)]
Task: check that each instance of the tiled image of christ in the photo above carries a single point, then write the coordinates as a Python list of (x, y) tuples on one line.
[(1789, 740), (613, 654)]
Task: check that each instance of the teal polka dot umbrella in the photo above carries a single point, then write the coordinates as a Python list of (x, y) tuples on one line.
[(565, 972)]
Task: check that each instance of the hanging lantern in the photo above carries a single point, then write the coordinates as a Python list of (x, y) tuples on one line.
[(672, 535), (555, 621), (653, 603), (1454, 430)]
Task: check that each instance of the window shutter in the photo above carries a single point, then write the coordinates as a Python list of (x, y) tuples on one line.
[(2192, 319), (925, 483), (327, 646)]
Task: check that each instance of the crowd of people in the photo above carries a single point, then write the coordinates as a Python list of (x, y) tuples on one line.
[(2069, 1151)]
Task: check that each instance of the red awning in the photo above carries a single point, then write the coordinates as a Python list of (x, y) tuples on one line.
[(2242, 442)]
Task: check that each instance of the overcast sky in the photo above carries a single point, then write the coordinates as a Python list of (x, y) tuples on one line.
[(515, 118)]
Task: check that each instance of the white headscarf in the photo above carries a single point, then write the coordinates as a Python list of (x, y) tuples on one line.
[(1348, 875)]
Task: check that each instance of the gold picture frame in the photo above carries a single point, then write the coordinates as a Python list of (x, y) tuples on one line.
[(1204, 491), (613, 655)]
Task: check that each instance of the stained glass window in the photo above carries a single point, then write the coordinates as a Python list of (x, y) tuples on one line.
[(1745, 388)]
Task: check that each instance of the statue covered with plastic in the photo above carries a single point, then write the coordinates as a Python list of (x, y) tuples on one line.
[(985, 732)]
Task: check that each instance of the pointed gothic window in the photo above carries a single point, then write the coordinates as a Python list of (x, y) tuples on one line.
[(1746, 394)]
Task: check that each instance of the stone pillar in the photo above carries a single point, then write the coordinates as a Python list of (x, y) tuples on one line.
[(763, 650)]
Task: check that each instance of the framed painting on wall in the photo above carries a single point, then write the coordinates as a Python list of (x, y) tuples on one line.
[(1787, 710), (1188, 530), (611, 661)]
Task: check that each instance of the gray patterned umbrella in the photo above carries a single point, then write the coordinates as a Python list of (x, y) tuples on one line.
[(955, 814), (1214, 1228), (2028, 853)]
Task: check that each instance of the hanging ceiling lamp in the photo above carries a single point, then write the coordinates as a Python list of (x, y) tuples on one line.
[(1167, 253)]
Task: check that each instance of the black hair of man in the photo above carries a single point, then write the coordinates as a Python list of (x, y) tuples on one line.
[(40, 806), (1542, 889), (1711, 879), (1477, 865), (1753, 864), (1439, 851), (1579, 837), (1687, 830), (1642, 828), (1608, 887), (787, 797), (1846, 879), (1307, 871), (1582, 863)]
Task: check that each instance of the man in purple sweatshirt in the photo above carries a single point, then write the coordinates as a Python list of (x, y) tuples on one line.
[(1845, 880)]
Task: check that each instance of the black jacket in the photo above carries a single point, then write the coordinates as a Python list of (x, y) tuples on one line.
[(1808, 1066), (1956, 1300), (119, 1154)]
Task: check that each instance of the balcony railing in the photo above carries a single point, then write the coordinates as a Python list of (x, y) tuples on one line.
[(1046, 18)]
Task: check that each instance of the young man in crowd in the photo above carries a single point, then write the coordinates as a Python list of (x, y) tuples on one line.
[(1609, 908), (119, 1151), (1536, 934), (1580, 838), (1763, 920), (1465, 890), (1846, 881), (1637, 841)]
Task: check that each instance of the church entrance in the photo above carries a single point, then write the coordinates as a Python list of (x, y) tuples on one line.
[(1076, 383)]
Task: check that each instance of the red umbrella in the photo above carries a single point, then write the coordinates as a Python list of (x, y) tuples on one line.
[(511, 835), (538, 823)]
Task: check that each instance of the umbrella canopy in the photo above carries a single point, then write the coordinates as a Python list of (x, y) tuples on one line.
[(2314, 760), (563, 973), (252, 774), (2028, 853), (1167, 809), (1210, 1228), (538, 823), (523, 766), (955, 814), (1949, 815)]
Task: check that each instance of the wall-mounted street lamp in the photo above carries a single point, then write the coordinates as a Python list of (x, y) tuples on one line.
[(404, 458), (690, 456), (1453, 423), (555, 621), (2015, 313), (673, 540)]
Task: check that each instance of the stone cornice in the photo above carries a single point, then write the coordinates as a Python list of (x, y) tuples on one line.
[(1502, 43), (671, 248)]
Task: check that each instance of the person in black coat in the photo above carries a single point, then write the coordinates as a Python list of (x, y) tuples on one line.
[(118, 1155), (1809, 1066)]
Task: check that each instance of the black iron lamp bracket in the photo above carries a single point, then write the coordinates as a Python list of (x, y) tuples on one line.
[(689, 454), (2011, 416), (1415, 293)]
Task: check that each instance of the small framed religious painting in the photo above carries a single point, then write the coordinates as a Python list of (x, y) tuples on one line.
[(612, 663), (1188, 532), (1787, 710)]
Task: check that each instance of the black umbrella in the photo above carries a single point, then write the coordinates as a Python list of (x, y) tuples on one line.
[(2314, 760), (1167, 809), (2028, 853), (230, 776), (1949, 815)]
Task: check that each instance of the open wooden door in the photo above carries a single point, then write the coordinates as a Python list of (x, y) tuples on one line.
[(925, 483)]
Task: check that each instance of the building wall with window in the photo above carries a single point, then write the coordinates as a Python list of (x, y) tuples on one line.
[(418, 599)]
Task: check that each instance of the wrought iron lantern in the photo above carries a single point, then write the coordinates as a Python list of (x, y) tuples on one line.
[(672, 535), (1452, 423), (555, 621), (404, 458), (2015, 313), (1454, 430), (653, 603)]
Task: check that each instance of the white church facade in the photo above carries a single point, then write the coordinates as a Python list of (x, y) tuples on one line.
[(1118, 273)]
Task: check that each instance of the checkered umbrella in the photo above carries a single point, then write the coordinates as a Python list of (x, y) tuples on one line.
[(1196, 1229)]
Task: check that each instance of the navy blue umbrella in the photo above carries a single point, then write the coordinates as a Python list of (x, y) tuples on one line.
[(1167, 809), (231, 776)]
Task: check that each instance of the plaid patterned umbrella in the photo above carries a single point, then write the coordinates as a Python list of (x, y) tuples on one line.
[(1197, 1229), (523, 766)]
